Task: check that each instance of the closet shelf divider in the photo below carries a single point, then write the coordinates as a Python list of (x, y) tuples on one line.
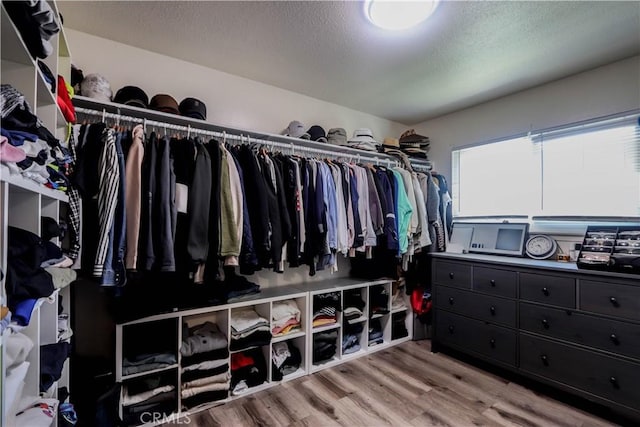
[(326, 327), (286, 337), (150, 372)]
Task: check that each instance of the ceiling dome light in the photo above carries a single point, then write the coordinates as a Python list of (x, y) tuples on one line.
[(397, 14)]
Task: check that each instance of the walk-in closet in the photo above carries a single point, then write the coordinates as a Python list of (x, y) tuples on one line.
[(279, 213)]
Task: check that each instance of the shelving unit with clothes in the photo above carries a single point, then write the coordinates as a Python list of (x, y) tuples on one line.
[(36, 344), (201, 339)]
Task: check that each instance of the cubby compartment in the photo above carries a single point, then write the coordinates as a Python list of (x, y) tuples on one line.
[(326, 347), (204, 359), (400, 323), (250, 370), (326, 309), (379, 300), (153, 393), (288, 359), (354, 321), (250, 327), (147, 347), (379, 330), (288, 317)]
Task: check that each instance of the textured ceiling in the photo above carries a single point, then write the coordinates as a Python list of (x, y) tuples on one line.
[(467, 53)]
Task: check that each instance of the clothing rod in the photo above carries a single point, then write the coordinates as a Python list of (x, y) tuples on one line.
[(238, 138)]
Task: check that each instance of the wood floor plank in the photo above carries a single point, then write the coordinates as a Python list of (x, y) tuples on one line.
[(517, 402), (452, 410), (286, 406), (402, 386), (382, 391)]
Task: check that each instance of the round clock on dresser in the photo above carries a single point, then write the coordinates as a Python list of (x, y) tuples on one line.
[(540, 246)]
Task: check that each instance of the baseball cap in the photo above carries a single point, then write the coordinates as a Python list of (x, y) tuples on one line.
[(97, 87), (317, 133), (296, 130), (194, 108), (132, 95), (337, 136), (164, 103)]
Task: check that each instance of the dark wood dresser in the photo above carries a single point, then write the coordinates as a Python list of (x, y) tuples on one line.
[(577, 330)]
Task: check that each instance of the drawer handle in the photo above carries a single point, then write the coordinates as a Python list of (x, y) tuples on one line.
[(493, 283), (545, 323), (451, 328), (545, 291), (614, 382), (492, 309), (450, 275), (492, 342), (545, 360), (614, 339), (451, 300), (614, 301)]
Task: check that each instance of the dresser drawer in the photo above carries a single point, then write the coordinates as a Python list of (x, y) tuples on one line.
[(495, 281), (483, 307), (612, 299), (472, 335), (453, 274), (603, 376), (611, 335), (552, 290)]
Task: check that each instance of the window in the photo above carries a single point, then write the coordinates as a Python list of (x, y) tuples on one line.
[(588, 170)]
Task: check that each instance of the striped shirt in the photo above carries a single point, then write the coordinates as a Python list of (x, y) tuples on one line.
[(109, 184)]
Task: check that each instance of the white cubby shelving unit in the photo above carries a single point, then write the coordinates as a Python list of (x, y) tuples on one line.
[(24, 202), (169, 326)]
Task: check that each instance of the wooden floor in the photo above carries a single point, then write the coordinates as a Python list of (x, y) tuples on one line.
[(405, 385)]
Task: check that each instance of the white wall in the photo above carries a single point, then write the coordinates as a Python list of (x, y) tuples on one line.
[(231, 100), (599, 92)]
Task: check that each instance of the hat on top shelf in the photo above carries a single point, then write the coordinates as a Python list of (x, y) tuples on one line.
[(132, 95), (194, 108), (337, 136), (414, 144), (390, 144), (316, 133), (363, 140), (164, 103), (296, 130), (97, 87)]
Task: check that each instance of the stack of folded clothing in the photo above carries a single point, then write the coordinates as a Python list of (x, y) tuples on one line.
[(205, 365), (326, 308), (324, 346), (285, 358), (27, 148), (351, 338), (248, 369), (378, 300), (37, 23), (153, 394), (285, 317), (248, 329), (147, 362), (398, 327), (375, 332), (353, 305)]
